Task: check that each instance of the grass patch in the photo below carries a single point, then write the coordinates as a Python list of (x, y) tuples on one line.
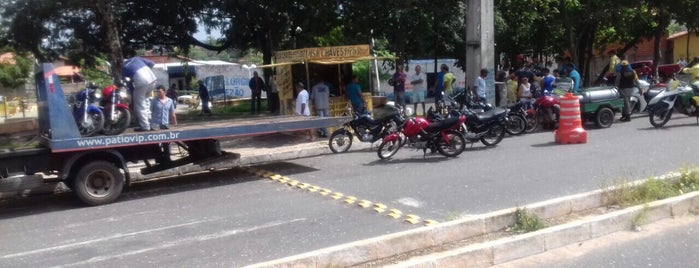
[(624, 194), (526, 222)]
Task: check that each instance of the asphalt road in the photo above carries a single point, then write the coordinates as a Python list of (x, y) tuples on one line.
[(230, 219)]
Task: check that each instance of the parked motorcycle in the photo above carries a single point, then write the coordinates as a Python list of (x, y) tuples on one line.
[(367, 128), (488, 127), (441, 136), (518, 112), (684, 99), (548, 110), (117, 112), (515, 124), (87, 115)]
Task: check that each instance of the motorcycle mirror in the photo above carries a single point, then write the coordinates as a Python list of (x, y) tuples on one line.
[(408, 111)]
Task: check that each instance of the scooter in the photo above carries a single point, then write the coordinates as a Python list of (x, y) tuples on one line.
[(684, 99), (367, 128)]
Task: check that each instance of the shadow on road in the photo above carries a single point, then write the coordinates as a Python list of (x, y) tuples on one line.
[(52, 202)]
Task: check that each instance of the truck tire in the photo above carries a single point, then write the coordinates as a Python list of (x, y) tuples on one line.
[(604, 117), (98, 183)]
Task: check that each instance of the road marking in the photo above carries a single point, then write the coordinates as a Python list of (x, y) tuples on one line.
[(180, 242), (117, 236), (363, 203)]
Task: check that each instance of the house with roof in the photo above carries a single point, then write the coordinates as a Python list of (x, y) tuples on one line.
[(685, 45)]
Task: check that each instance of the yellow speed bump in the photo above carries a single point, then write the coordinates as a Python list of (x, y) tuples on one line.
[(364, 203), (313, 189), (303, 185), (275, 177), (412, 219), (337, 196), (394, 213), (324, 191), (430, 222), (293, 183), (283, 179), (380, 208), (350, 199)]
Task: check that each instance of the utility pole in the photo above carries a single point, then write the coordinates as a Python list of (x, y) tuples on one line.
[(480, 44)]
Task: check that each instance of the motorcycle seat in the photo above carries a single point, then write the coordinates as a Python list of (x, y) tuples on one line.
[(495, 112), (442, 124)]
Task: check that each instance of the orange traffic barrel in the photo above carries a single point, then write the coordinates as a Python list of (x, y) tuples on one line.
[(570, 128)]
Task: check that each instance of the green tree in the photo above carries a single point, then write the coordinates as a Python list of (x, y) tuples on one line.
[(14, 73)]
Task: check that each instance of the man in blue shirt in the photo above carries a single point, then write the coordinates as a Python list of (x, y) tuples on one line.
[(354, 93), (439, 87), (143, 80), (575, 75), (548, 81)]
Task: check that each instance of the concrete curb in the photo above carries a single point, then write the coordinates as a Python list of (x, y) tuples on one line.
[(492, 252)]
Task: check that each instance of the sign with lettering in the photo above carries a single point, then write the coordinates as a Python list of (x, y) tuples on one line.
[(322, 53)]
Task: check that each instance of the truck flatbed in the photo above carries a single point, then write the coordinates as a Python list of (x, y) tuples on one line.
[(59, 131), (231, 128)]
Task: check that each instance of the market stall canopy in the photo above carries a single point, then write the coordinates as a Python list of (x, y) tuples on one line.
[(66, 70)]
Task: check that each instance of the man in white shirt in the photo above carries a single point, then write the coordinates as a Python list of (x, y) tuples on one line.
[(480, 86), (320, 94), (302, 105), (419, 82)]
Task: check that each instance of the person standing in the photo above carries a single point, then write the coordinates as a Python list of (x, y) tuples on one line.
[(479, 86), (500, 88), (204, 97), (525, 93), (692, 69), (172, 94), (448, 81), (162, 110), (302, 107), (547, 82), (273, 96), (354, 93), (575, 75), (626, 79), (257, 85), (613, 62), (320, 94), (399, 78), (512, 88), (143, 80), (439, 86), (419, 82)]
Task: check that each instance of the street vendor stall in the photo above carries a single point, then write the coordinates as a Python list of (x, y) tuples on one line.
[(333, 65)]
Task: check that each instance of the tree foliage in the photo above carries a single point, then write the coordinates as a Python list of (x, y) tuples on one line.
[(86, 30)]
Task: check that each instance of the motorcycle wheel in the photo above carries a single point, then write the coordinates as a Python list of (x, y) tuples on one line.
[(94, 124), (532, 123), (659, 118), (516, 124), (340, 141), (494, 135), (120, 125), (456, 145), (388, 148)]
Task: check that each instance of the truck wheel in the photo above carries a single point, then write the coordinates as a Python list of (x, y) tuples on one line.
[(604, 118), (98, 183)]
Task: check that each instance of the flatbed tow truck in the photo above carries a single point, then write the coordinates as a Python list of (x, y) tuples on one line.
[(96, 168)]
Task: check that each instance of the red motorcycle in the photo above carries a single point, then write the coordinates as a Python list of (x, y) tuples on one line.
[(116, 111), (442, 136), (548, 110)]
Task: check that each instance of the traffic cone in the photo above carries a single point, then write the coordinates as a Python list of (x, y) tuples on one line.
[(570, 122)]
